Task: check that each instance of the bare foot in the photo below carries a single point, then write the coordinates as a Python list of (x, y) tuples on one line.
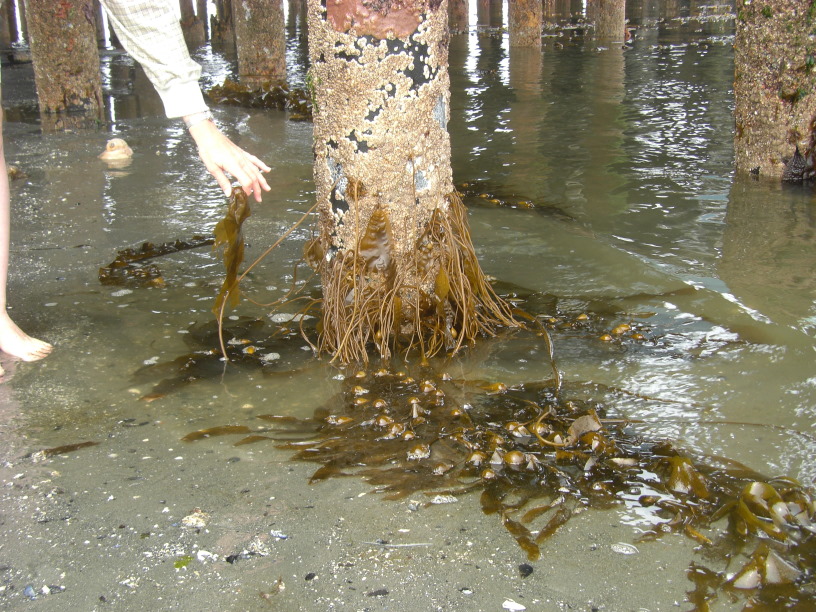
[(16, 342)]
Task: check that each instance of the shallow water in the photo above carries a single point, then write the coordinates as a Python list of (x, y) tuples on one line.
[(627, 155)]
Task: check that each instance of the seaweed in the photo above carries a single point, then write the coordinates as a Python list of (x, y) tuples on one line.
[(228, 232), (481, 193), (222, 430), (66, 448), (297, 101), (437, 299), (129, 267), (540, 452)]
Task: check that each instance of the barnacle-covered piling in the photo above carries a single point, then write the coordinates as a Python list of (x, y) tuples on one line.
[(393, 251), (774, 85)]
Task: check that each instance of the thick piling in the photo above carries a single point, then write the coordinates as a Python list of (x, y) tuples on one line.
[(66, 62)]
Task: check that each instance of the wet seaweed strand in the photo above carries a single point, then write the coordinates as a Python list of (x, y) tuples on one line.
[(538, 457), (379, 301)]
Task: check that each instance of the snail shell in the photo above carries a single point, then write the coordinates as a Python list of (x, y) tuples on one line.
[(116, 149), (514, 457), (476, 458)]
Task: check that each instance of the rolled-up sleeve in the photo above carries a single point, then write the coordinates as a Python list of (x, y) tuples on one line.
[(150, 32)]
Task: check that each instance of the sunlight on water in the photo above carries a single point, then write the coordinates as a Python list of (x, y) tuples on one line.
[(637, 219)]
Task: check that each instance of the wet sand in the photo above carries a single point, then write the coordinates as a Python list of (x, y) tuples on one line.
[(104, 525)]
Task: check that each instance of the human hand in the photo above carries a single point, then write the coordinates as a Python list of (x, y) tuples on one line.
[(221, 155)]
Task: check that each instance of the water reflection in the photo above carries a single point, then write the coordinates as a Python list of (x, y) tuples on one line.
[(627, 154), (636, 146), (769, 251), (633, 146)]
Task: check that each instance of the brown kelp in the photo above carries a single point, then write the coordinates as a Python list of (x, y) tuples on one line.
[(484, 193), (228, 232), (64, 449), (435, 299), (130, 267), (295, 100), (536, 456), (537, 453)]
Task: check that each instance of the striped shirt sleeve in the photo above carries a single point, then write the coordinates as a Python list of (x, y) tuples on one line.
[(150, 32)]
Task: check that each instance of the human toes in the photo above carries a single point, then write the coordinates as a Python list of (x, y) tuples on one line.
[(36, 349)]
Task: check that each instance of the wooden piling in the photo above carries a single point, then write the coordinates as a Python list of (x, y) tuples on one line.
[(260, 41), (66, 62)]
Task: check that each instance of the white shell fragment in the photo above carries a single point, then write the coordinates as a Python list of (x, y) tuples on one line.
[(444, 499), (196, 520), (622, 548), (205, 556), (509, 604)]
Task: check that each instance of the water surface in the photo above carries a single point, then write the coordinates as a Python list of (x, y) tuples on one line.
[(626, 154)]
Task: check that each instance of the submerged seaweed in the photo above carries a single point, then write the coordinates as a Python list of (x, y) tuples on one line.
[(297, 101), (537, 457), (536, 452), (129, 267), (539, 452), (64, 449), (484, 193)]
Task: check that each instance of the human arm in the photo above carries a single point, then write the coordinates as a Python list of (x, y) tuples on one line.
[(150, 32)]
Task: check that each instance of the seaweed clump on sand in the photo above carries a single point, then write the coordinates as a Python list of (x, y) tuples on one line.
[(130, 268), (537, 454), (295, 100)]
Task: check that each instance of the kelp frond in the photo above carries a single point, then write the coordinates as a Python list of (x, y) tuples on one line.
[(438, 299)]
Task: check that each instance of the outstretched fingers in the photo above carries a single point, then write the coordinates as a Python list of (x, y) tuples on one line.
[(248, 174), (221, 156)]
